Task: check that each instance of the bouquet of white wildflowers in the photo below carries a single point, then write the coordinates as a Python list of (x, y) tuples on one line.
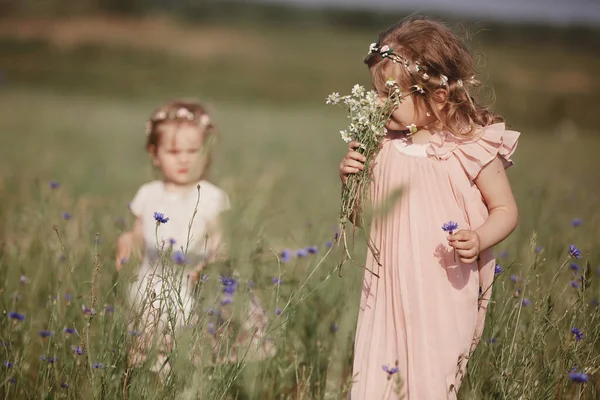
[(368, 115)]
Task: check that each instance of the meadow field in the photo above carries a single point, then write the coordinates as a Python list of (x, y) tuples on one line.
[(74, 97)]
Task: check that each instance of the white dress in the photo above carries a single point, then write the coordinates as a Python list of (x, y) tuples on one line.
[(168, 283)]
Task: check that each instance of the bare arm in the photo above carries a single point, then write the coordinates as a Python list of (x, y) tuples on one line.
[(128, 242), (502, 220), (497, 193)]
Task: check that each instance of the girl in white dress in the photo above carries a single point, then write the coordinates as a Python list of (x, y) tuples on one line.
[(176, 217)]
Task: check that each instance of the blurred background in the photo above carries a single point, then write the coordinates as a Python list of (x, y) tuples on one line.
[(79, 79)]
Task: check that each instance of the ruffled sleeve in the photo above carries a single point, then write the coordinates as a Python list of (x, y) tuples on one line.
[(475, 153)]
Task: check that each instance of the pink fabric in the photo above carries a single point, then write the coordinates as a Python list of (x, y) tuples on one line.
[(424, 313)]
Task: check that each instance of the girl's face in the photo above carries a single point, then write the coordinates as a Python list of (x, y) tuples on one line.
[(180, 154)]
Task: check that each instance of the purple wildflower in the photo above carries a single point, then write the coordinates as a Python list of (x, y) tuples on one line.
[(88, 311), (595, 302), (578, 377), (204, 278), (211, 328), (68, 296), (98, 365), (312, 249), (77, 349), (390, 370), (171, 241), (179, 257), (539, 249), (301, 253), (276, 281), (491, 340), (514, 278), (70, 331), (285, 255), (576, 223), (450, 227), (160, 218), (278, 311), (109, 309), (66, 216), (45, 334), (8, 364), (503, 254), (333, 328), (329, 244), (16, 315), (526, 302), (575, 267), (575, 284), (574, 252), (498, 269), (54, 185), (226, 300), (577, 332), (229, 285), (64, 385)]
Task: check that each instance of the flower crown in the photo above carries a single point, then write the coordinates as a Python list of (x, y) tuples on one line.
[(180, 114), (413, 67)]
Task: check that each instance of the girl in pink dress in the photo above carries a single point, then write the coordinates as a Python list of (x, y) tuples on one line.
[(420, 320)]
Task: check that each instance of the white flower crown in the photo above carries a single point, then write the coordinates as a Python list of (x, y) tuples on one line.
[(182, 113)]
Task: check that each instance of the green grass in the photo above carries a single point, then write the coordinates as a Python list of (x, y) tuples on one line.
[(77, 117)]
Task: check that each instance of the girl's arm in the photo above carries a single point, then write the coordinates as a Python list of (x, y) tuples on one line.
[(214, 246), (497, 194), (128, 242)]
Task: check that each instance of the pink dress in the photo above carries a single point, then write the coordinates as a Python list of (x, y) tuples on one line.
[(424, 314)]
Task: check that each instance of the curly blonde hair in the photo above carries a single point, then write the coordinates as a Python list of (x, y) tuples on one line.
[(445, 73)]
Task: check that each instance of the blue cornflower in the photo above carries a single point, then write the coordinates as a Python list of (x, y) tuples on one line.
[(575, 267), (525, 302), (226, 300), (301, 253), (450, 227), (171, 241), (70, 331), (329, 244), (98, 365), (578, 377), (16, 315), (46, 334), (498, 269), (211, 311), (179, 257), (160, 218), (574, 252), (491, 340), (54, 184), (285, 255), (539, 249), (514, 278), (595, 302), (68, 296), (43, 358), (204, 278), (8, 364), (575, 284), (576, 222), (312, 249), (390, 370), (66, 216), (109, 309), (276, 281), (77, 349), (229, 285), (64, 385), (87, 311), (211, 328), (577, 332), (123, 261), (278, 311)]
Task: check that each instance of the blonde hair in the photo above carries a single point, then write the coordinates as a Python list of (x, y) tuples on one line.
[(176, 113), (443, 62)]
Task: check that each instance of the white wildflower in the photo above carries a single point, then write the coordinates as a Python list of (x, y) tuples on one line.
[(333, 98), (390, 82), (412, 128), (345, 136), (358, 91)]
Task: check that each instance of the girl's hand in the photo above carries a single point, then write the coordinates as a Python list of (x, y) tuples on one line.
[(125, 245), (352, 163), (466, 244), (195, 274)]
